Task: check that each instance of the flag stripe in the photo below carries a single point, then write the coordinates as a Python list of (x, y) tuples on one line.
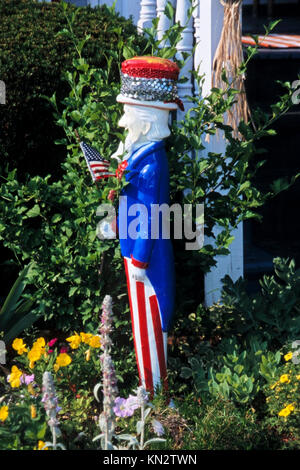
[(150, 342), (159, 339), (140, 290), (155, 369), (134, 326), (98, 166), (103, 176), (101, 167)]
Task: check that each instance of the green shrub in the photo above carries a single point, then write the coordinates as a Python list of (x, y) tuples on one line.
[(233, 371), (53, 222), (272, 313), (33, 57), (218, 424), (283, 402)]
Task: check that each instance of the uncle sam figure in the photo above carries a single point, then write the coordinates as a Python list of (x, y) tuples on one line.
[(148, 93)]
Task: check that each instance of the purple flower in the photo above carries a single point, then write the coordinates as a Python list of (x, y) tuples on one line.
[(157, 427), (124, 408), (120, 407), (132, 402), (28, 379)]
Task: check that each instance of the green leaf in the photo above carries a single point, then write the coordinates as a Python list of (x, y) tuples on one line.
[(75, 116), (186, 372), (12, 299), (34, 212), (139, 427), (56, 218), (20, 326), (169, 11)]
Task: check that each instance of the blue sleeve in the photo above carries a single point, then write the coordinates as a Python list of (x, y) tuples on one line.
[(148, 194)]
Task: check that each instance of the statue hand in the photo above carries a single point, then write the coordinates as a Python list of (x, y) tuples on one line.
[(138, 274), (118, 152), (116, 157)]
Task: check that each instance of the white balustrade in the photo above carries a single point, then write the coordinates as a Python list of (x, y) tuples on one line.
[(185, 45), (147, 14), (164, 22), (197, 35)]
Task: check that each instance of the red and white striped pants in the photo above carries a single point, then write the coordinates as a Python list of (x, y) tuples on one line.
[(150, 341)]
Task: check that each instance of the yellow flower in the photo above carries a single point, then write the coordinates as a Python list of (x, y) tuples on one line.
[(85, 337), (41, 445), (3, 413), (284, 378), (74, 341), (95, 342), (32, 391), (40, 343), (288, 356), (19, 346), (87, 354), (284, 412), (62, 360), (274, 385), (15, 377), (32, 411), (34, 355), (287, 410), (291, 407), (298, 377)]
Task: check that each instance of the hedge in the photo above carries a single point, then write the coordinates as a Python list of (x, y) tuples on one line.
[(32, 59)]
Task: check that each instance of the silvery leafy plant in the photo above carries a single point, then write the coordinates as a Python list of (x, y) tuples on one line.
[(116, 406), (296, 352), (137, 442), (50, 402)]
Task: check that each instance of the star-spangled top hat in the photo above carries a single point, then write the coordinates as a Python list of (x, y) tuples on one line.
[(150, 81)]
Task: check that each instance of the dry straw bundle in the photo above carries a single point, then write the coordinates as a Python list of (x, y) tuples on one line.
[(229, 56)]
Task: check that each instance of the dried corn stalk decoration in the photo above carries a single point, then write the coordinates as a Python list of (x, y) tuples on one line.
[(229, 57)]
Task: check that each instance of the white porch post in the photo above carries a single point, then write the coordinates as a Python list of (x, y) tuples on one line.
[(164, 22), (197, 35), (147, 14), (185, 45), (211, 22)]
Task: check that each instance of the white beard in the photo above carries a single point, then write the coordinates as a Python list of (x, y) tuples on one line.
[(128, 146)]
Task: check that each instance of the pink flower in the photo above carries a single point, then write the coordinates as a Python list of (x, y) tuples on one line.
[(64, 349), (111, 195), (121, 168), (29, 379), (52, 342), (26, 379)]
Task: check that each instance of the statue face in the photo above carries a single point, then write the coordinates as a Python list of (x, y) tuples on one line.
[(145, 123), (136, 127)]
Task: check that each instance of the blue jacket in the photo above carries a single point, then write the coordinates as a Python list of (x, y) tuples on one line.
[(147, 175)]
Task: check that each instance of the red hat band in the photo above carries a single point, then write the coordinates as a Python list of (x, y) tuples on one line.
[(150, 79)]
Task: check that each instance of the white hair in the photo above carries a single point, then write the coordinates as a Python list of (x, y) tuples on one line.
[(157, 117)]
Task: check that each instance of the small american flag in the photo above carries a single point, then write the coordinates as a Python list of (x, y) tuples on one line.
[(98, 166)]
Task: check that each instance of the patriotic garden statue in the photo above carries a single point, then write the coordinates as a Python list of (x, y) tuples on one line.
[(149, 93)]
